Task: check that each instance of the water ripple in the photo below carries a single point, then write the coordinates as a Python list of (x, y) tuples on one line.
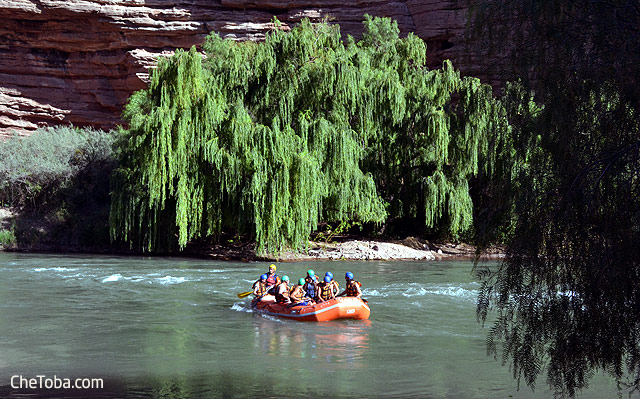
[(111, 278)]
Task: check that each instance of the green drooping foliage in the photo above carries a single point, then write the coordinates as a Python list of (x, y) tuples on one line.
[(568, 293), (269, 139), (498, 192)]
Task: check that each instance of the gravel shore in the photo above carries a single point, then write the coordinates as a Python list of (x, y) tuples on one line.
[(410, 248), (347, 248)]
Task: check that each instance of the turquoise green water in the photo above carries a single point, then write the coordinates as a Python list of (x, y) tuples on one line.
[(164, 327)]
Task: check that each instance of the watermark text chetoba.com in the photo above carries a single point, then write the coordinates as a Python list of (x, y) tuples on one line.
[(55, 382)]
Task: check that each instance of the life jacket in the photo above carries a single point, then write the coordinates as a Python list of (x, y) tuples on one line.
[(310, 287), (296, 293), (324, 291), (352, 289), (262, 288), (282, 297), (272, 279)]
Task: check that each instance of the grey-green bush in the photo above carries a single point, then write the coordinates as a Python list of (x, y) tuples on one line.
[(34, 168)]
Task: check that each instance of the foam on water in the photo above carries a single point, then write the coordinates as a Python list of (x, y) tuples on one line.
[(111, 278), (169, 280), (240, 307), (373, 292), (411, 290), (148, 279), (415, 291), (221, 277), (54, 269), (73, 276), (453, 291)]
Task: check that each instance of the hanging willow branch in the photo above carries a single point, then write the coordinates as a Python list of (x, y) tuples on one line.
[(272, 138)]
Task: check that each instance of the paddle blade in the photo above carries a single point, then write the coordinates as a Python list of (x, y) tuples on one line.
[(244, 294)]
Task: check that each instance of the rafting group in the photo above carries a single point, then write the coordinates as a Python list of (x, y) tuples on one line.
[(309, 290)]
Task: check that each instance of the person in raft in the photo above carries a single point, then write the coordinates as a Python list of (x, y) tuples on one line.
[(260, 286), (325, 290), (353, 286), (282, 290), (311, 281), (334, 284), (272, 277), (297, 293)]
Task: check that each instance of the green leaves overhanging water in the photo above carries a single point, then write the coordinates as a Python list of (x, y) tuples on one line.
[(272, 138)]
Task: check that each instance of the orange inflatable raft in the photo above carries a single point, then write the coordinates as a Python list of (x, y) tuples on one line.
[(333, 309)]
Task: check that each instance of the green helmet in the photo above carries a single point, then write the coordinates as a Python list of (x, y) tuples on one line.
[(311, 273), (285, 278), (301, 281)]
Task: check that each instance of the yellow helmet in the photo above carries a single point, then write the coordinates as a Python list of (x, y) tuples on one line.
[(272, 266)]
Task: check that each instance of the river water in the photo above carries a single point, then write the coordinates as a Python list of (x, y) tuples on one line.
[(174, 328)]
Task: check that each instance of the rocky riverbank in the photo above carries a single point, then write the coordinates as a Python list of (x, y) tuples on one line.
[(410, 248), (359, 250), (347, 248)]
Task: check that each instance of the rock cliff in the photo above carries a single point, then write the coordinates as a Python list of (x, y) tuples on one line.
[(77, 61)]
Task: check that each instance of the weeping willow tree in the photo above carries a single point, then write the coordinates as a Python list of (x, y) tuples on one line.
[(567, 296), (269, 139)]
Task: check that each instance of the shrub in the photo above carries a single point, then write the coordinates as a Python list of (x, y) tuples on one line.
[(35, 168), (7, 239), (58, 182)]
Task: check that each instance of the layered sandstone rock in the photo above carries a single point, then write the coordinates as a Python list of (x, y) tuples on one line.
[(77, 61)]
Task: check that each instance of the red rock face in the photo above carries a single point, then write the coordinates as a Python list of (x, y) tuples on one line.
[(77, 61)]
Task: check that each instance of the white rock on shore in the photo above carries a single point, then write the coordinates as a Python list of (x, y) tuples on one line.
[(368, 250)]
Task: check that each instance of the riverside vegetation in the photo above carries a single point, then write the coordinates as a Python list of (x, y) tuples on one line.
[(269, 139), (57, 182), (567, 296), (272, 140)]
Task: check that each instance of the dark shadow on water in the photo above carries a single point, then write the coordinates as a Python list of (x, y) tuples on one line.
[(341, 344)]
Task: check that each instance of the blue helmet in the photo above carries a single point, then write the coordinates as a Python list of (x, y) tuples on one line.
[(327, 279), (329, 274), (264, 277), (285, 278), (348, 276)]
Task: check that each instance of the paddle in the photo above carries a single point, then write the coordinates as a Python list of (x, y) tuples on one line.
[(244, 294)]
